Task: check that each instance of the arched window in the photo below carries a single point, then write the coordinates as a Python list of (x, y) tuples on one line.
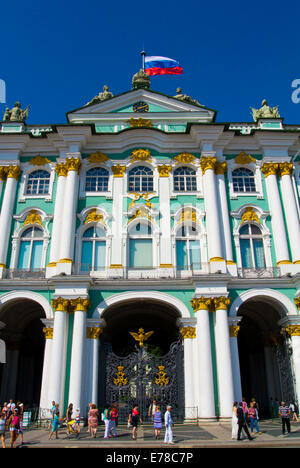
[(140, 179), (97, 180), (31, 249), (243, 180), (252, 247), (38, 183), (140, 246), (188, 248), (93, 249), (185, 180)]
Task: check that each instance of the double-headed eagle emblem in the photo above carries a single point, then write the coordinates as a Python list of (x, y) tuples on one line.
[(141, 336)]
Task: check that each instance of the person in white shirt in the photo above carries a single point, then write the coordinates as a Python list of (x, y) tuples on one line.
[(168, 426)]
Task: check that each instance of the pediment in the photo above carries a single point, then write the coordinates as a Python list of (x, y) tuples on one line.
[(159, 109)]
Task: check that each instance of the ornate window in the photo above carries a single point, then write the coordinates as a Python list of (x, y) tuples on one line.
[(38, 183), (140, 179), (93, 249), (252, 247), (243, 180), (31, 249), (185, 180), (188, 248), (97, 180), (140, 246)]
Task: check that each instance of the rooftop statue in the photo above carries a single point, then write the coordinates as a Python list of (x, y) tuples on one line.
[(185, 97), (16, 114), (101, 96), (265, 112), (141, 80)]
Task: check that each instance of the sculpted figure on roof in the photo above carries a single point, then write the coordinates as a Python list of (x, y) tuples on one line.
[(16, 114), (185, 97), (265, 112), (106, 94)]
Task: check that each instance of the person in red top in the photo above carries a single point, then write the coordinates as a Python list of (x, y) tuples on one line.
[(114, 414), (134, 419), (253, 416)]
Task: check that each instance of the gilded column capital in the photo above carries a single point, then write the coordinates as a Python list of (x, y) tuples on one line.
[(297, 302), (60, 304), (74, 164), (93, 333), (118, 170), (234, 330), (61, 169), (293, 330), (221, 302), (202, 303), (285, 169), (3, 173), (48, 332), (164, 170), (80, 304), (13, 172), (269, 169), (208, 163), (188, 332), (220, 168)]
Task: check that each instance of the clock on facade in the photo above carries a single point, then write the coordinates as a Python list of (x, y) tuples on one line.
[(140, 106)]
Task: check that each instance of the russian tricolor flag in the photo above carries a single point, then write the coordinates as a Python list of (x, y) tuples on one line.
[(162, 66)]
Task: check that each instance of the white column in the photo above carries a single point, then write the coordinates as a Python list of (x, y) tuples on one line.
[(69, 215), (189, 334), (213, 215), (7, 212), (203, 360), (116, 261), (165, 218), (58, 358), (92, 365), (223, 355), (278, 226), (290, 208), (236, 373), (56, 239), (293, 331), (45, 403), (220, 170), (78, 352)]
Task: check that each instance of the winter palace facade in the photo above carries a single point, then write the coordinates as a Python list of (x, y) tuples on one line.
[(148, 251)]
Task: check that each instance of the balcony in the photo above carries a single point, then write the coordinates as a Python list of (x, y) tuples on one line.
[(23, 274), (272, 272)]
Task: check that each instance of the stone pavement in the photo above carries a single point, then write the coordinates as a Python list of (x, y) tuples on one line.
[(213, 435)]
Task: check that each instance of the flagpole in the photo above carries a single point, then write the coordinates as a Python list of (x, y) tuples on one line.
[(143, 54)]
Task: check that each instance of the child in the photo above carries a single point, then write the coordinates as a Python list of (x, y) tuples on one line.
[(77, 423), (2, 429)]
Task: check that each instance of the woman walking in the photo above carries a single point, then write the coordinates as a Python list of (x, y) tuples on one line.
[(157, 422), (93, 420), (253, 416), (134, 419)]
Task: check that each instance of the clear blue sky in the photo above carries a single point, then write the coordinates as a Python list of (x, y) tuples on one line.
[(57, 55)]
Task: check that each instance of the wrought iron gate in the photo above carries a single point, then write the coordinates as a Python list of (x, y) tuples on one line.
[(141, 377)]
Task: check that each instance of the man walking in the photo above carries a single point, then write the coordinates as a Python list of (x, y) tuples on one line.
[(285, 413), (242, 423), (168, 426)]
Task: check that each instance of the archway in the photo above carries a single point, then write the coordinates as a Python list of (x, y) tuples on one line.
[(20, 376), (265, 366), (141, 370)]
